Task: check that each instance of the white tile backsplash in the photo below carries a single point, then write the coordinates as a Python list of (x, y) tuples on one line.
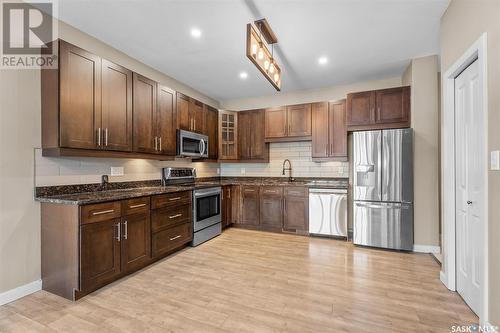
[(299, 153)]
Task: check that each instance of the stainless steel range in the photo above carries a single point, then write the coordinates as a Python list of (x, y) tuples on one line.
[(206, 203)]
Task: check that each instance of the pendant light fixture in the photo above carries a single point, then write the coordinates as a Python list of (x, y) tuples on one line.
[(258, 52)]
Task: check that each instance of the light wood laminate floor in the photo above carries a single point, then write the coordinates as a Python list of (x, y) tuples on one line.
[(248, 281)]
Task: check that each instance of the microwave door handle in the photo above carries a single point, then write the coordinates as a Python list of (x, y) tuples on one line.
[(202, 150)]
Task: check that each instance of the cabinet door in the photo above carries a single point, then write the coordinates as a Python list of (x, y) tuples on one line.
[(80, 98), (136, 241), (337, 129), (299, 120), (258, 147), (250, 205), (211, 129), (226, 206), (228, 135), (393, 106), (320, 130), (235, 203), (244, 135), (296, 214), (361, 108), (166, 122), (183, 117), (116, 107), (100, 253), (275, 123), (271, 206), (145, 138), (197, 113)]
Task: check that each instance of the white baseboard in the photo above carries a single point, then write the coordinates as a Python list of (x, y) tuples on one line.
[(426, 248), (19, 292), (444, 279)]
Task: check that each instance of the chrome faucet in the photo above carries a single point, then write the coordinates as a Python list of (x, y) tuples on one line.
[(289, 169)]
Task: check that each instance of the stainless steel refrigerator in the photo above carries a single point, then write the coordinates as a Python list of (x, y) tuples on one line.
[(383, 189)]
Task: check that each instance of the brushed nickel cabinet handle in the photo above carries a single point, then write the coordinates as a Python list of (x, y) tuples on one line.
[(160, 144), (173, 199), (156, 143), (137, 206), (106, 137), (174, 216), (99, 137), (174, 238), (125, 234), (103, 212), (118, 226)]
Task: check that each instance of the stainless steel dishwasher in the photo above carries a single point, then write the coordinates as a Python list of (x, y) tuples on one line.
[(328, 212)]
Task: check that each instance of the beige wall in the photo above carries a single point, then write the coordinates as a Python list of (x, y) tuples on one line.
[(19, 136), (461, 25), (422, 75), (308, 96)]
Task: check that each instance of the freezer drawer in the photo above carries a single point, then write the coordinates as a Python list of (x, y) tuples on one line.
[(384, 225), (328, 212)]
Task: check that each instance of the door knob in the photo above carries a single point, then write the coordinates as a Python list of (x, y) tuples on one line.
[(469, 202)]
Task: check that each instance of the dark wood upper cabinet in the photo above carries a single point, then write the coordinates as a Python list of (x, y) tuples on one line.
[(337, 129), (251, 136), (329, 134), (136, 241), (79, 96), (299, 120), (116, 107), (276, 124), (250, 205), (393, 106), (379, 109), (198, 113), (100, 253), (271, 207), (145, 94), (211, 130), (288, 123), (320, 130), (228, 135), (166, 121), (183, 116)]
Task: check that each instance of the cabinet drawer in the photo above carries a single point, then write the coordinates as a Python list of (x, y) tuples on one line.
[(296, 191), (249, 189), (271, 191), (135, 206), (164, 218), (169, 239), (171, 199), (100, 212)]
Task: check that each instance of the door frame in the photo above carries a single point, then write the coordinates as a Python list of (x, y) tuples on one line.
[(477, 51)]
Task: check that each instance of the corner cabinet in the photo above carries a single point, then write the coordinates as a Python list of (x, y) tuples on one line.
[(379, 109), (329, 132)]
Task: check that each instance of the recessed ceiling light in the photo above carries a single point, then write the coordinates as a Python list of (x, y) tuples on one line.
[(322, 60), (195, 33), (243, 75)]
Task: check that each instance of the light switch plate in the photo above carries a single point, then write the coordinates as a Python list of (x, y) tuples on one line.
[(243, 171), (116, 171), (218, 171), (495, 160)]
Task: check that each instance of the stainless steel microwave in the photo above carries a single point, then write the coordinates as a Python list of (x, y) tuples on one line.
[(190, 144)]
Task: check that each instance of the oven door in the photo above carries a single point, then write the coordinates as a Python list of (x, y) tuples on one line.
[(192, 144), (207, 207)]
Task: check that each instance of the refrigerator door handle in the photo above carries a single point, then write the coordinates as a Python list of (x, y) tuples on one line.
[(365, 168)]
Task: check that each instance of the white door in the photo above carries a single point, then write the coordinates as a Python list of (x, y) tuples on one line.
[(470, 168)]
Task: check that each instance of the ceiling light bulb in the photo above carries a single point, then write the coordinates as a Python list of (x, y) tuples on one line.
[(266, 64), (323, 60), (260, 55), (243, 75), (276, 77), (195, 32), (271, 68), (254, 49)]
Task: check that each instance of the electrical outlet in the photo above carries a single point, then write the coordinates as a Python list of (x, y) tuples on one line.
[(116, 171), (243, 171), (218, 171), (495, 160)]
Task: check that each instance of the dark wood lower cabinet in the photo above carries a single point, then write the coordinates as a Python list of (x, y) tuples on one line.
[(250, 205), (227, 206), (296, 210), (136, 241), (100, 253), (271, 207)]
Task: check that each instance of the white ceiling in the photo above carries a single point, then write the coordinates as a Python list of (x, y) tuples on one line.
[(363, 39)]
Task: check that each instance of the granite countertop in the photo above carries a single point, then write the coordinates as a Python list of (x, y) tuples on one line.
[(95, 193)]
